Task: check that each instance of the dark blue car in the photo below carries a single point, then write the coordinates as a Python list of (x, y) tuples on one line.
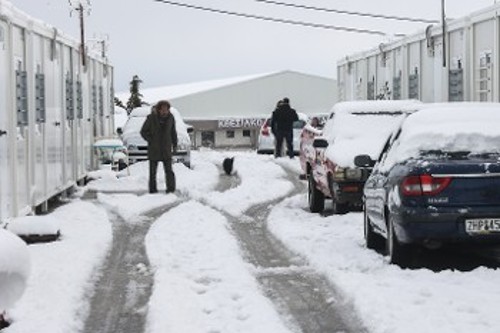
[(436, 181)]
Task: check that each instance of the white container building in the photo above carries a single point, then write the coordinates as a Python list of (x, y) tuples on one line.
[(51, 109), (412, 67)]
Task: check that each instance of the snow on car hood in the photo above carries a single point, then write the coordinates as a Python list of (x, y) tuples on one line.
[(131, 130)]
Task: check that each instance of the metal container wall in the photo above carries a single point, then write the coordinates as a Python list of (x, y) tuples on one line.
[(6, 185), (45, 112), (413, 67)]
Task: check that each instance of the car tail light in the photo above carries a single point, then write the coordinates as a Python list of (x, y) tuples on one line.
[(265, 131), (424, 185)]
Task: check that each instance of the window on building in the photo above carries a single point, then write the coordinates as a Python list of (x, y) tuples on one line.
[(247, 133), (230, 134)]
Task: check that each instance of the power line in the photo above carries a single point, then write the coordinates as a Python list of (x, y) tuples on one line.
[(338, 11), (277, 20)]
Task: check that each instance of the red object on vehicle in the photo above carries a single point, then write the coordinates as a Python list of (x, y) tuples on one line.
[(424, 185), (265, 130)]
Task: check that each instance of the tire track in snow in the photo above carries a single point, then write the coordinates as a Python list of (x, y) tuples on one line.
[(305, 299), (123, 289)]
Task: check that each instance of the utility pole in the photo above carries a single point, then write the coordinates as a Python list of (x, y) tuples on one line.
[(80, 9), (443, 22)]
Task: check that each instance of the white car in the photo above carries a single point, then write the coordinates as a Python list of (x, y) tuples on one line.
[(138, 147), (266, 138)]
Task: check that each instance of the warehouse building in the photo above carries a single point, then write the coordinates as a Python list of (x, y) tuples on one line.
[(228, 113), (462, 66)]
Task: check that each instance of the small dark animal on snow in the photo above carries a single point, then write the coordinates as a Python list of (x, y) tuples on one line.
[(227, 165)]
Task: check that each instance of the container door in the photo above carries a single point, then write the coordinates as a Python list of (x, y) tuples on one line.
[(40, 169), (21, 153), (69, 116), (54, 79)]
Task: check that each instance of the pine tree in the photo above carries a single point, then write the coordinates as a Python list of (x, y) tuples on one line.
[(135, 99), (119, 103)]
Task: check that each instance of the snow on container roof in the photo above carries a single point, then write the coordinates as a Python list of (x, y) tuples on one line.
[(380, 106)]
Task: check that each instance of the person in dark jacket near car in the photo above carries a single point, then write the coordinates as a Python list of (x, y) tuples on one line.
[(160, 133), (282, 124)]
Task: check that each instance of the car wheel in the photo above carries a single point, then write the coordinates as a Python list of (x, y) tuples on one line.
[(399, 254), (373, 240), (315, 196)]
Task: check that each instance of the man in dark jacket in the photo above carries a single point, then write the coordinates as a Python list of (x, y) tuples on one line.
[(160, 133), (282, 124)]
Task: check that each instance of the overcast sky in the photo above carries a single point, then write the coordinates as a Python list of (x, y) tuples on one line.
[(165, 44)]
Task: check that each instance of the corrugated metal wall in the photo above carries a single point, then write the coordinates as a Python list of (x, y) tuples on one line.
[(413, 67), (46, 116)]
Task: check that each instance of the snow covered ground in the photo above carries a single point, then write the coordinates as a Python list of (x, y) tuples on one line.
[(202, 282)]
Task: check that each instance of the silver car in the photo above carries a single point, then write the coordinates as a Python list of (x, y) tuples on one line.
[(138, 147), (266, 138)]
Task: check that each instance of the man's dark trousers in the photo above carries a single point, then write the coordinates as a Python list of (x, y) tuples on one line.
[(169, 175), (288, 137)]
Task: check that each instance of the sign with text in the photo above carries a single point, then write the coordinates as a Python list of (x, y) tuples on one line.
[(241, 123)]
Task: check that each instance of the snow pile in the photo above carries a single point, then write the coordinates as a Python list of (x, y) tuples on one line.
[(58, 288), (201, 282), (34, 225), (14, 269)]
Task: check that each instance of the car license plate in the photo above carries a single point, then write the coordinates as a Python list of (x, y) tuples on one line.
[(482, 226)]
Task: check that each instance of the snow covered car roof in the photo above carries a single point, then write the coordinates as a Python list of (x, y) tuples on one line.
[(452, 127), (362, 127)]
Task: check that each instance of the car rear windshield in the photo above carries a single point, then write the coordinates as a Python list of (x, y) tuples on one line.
[(299, 124)]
